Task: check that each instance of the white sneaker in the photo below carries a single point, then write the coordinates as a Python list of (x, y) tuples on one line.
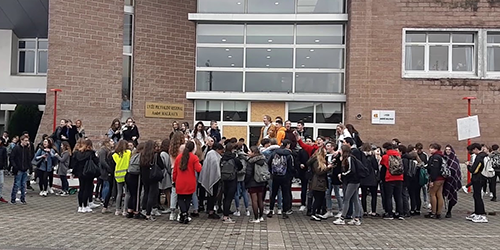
[(280, 212), (254, 221), (92, 205), (155, 212), (172, 216), (80, 209), (87, 210), (45, 193), (315, 217), (266, 210), (32, 182), (429, 206), (117, 212), (302, 208), (41, 193), (491, 195), (338, 215), (50, 190), (63, 194), (328, 214), (355, 222), (237, 214), (261, 219), (480, 219), (471, 217), (247, 213), (464, 188), (339, 221), (19, 192)]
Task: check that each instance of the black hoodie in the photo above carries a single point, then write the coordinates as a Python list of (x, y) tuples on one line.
[(249, 176), (79, 159), (477, 167), (20, 158), (227, 156), (289, 162)]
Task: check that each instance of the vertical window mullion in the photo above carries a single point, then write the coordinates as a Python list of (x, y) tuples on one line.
[(35, 68), (294, 57), (244, 75), (450, 54), (426, 54)]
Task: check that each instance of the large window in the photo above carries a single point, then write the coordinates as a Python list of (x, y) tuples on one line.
[(32, 56), (271, 6), (493, 52), (315, 112), (229, 111), (128, 59), (286, 58)]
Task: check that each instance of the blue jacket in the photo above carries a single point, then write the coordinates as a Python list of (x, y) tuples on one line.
[(48, 163)]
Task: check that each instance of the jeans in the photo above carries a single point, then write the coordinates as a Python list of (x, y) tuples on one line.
[(1, 183), (394, 189), (319, 197), (424, 193), (340, 201), (406, 200), (280, 194), (212, 199), (64, 183), (478, 197), (328, 195), (492, 182), (436, 195), (119, 195), (303, 190), (194, 200), (184, 200), (415, 200), (106, 192), (286, 186), (241, 191), (229, 191), (19, 183), (173, 199), (364, 195), (351, 196)]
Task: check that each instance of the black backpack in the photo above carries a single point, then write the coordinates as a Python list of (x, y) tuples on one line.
[(362, 169)]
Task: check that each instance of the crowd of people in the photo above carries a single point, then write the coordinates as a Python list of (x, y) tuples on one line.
[(201, 169)]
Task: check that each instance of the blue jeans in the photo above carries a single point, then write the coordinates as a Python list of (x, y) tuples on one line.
[(64, 183), (328, 195), (19, 183), (1, 183), (240, 190), (105, 190), (340, 201), (280, 195), (194, 199)]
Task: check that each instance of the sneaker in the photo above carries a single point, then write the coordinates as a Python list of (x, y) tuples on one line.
[(464, 188), (302, 208), (321, 216), (214, 216), (173, 216), (19, 192), (328, 214), (124, 213), (471, 217), (41, 193), (13, 202), (51, 191), (339, 221), (270, 214), (289, 212), (18, 200), (480, 219), (80, 209), (400, 217), (237, 214), (247, 213), (261, 219), (266, 211), (355, 222), (105, 211), (338, 215), (254, 221), (228, 220), (63, 194), (45, 193), (388, 217), (117, 212), (92, 205), (491, 195), (23, 202), (430, 216), (139, 216), (155, 212), (3, 200), (32, 182), (315, 217), (150, 218), (166, 211), (494, 199), (280, 212)]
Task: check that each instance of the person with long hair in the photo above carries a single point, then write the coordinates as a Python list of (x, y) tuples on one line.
[(319, 182), (166, 183), (185, 128), (47, 158), (121, 158), (80, 130), (176, 147), (62, 170), (130, 131), (416, 166), (369, 184), (350, 184), (210, 177), (341, 133), (229, 186), (175, 128), (148, 158), (186, 166), (255, 189), (133, 185), (454, 182), (199, 132), (115, 131), (355, 135), (107, 166), (84, 153)]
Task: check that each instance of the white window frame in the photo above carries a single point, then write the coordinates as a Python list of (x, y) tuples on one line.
[(489, 74), (129, 51), (36, 50), (477, 65), (293, 46)]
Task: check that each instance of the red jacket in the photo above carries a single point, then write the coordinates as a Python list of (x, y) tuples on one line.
[(185, 181), (309, 149), (385, 162)]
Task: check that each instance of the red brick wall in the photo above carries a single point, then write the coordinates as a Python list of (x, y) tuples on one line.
[(85, 61), (426, 110), (164, 61)]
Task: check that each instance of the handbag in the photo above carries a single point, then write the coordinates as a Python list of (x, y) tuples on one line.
[(90, 169), (155, 172), (36, 162)]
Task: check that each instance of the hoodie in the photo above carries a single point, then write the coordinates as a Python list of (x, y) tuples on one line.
[(434, 167), (385, 167), (477, 167), (280, 136), (20, 158), (79, 159), (289, 162), (250, 171)]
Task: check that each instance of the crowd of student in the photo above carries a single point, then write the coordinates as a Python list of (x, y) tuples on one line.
[(202, 169)]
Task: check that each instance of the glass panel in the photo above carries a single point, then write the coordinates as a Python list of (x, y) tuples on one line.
[(493, 59), (27, 44), (415, 37), (129, 2), (438, 58), (235, 111), (320, 58), (439, 38), (219, 33), (329, 134), (207, 110), (414, 57), (300, 111), (270, 34), (127, 30), (268, 82), (221, 6), (271, 6), (42, 62), (320, 6), (43, 44), (319, 83), (126, 82), (493, 37), (463, 38), (269, 58), (320, 34), (219, 81), (463, 58), (329, 113), (219, 57), (26, 61), (254, 135)]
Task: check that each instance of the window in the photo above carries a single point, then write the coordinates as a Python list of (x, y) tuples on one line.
[(32, 56), (284, 58), (208, 110), (128, 59), (493, 52), (435, 53), (320, 6), (126, 82), (271, 6), (329, 113), (235, 111), (229, 111), (221, 6), (301, 111), (315, 113)]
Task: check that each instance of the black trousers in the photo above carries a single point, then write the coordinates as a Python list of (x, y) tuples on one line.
[(211, 199), (303, 189), (286, 187), (319, 198), (43, 177), (478, 199), (133, 187), (150, 198), (229, 191), (201, 195), (394, 189), (364, 194), (492, 182), (85, 190), (184, 200), (415, 198)]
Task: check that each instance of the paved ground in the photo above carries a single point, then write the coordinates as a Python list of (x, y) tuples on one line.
[(52, 223)]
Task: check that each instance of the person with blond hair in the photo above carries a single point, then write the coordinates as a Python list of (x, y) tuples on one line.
[(268, 130)]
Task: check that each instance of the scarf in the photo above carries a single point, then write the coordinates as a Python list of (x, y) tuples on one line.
[(454, 182), (210, 172)]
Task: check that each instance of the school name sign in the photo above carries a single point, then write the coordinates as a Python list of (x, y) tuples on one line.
[(164, 110)]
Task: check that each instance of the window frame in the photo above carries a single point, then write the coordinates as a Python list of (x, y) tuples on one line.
[(489, 74), (129, 51), (36, 60), (295, 11)]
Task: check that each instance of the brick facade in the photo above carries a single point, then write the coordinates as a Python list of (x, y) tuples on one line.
[(85, 61), (426, 109)]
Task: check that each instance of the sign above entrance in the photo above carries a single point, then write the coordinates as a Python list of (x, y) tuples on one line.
[(164, 110), (387, 117)]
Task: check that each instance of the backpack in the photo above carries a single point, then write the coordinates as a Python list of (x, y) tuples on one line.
[(155, 172), (90, 169), (445, 169), (278, 165), (228, 170), (495, 161), (362, 170), (412, 169), (133, 167), (488, 170), (261, 173), (395, 165), (423, 177)]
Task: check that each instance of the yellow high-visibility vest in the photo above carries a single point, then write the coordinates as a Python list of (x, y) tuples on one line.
[(121, 165)]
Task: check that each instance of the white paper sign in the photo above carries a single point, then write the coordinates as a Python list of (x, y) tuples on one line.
[(383, 117), (468, 128)]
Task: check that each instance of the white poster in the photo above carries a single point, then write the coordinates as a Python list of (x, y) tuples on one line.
[(468, 128), (384, 117)]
